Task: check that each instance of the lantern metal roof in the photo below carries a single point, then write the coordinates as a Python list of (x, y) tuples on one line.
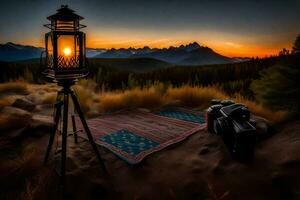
[(65, 20), (65, 14)]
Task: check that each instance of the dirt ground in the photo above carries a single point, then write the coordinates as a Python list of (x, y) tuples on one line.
[(197, 168)]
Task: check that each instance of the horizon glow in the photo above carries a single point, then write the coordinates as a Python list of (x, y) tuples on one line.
[(232, 28)]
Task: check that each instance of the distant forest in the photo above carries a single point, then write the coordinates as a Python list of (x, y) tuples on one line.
[(257, 79), (116, 74)]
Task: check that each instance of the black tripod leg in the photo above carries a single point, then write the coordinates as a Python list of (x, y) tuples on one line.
[(74, 130), (64, 138), (87, 130), (57, 114)]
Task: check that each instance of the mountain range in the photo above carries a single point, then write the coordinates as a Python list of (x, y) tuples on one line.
[(15, 52), (190, 54)]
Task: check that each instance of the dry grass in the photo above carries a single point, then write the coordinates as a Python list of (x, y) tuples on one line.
[(186, 96), (195, 96), (136, 98), (260, 110), (7, 90), (49, 98), (5, 102), (85, 97), (14, 87), (153, 97)]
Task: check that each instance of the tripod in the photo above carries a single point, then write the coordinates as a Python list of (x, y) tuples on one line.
[(66, 91)]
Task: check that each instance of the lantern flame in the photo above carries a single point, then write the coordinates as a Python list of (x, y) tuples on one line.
[(67, 51)]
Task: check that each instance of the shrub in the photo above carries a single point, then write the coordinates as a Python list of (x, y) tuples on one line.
[(278, 88), (296, 46)]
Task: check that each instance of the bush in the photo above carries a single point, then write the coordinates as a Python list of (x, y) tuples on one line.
[(296, 46), (278, 87)]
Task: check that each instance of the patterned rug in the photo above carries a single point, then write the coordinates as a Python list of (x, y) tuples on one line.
[(183, 114), (134, 135)]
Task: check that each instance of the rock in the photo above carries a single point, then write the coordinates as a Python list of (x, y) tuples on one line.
[(12, 118), (24, 104), (262, 126), (204, 150), (18, 123), (39, 125), (219, 167)]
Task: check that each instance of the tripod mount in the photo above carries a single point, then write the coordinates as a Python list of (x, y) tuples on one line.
[(61, 109)]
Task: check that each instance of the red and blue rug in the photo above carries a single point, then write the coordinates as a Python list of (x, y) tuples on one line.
[(134, 135)]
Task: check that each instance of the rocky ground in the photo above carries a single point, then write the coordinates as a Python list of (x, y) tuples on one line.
[(197, 168)]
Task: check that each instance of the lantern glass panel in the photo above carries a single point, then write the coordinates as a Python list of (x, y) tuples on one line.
[(49, 51), (68, 51)]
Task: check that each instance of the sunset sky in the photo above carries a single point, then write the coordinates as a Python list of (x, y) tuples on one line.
[(232, 28)]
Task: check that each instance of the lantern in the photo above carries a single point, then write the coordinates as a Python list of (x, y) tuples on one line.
[(65, 63), (65, 45)]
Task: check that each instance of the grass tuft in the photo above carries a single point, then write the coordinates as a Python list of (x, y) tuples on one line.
[(14, 87), (195, 96), (135, 98), (186, 95), (85, 97), (49, 98), (5, 102), (260, 110)]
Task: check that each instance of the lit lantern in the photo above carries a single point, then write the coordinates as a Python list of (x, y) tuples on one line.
[(65, 45), (65, 63)]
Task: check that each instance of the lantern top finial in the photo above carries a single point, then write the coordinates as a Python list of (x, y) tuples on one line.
[(64, 13)]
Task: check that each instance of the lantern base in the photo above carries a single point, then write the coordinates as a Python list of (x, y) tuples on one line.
[(62, 76)]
